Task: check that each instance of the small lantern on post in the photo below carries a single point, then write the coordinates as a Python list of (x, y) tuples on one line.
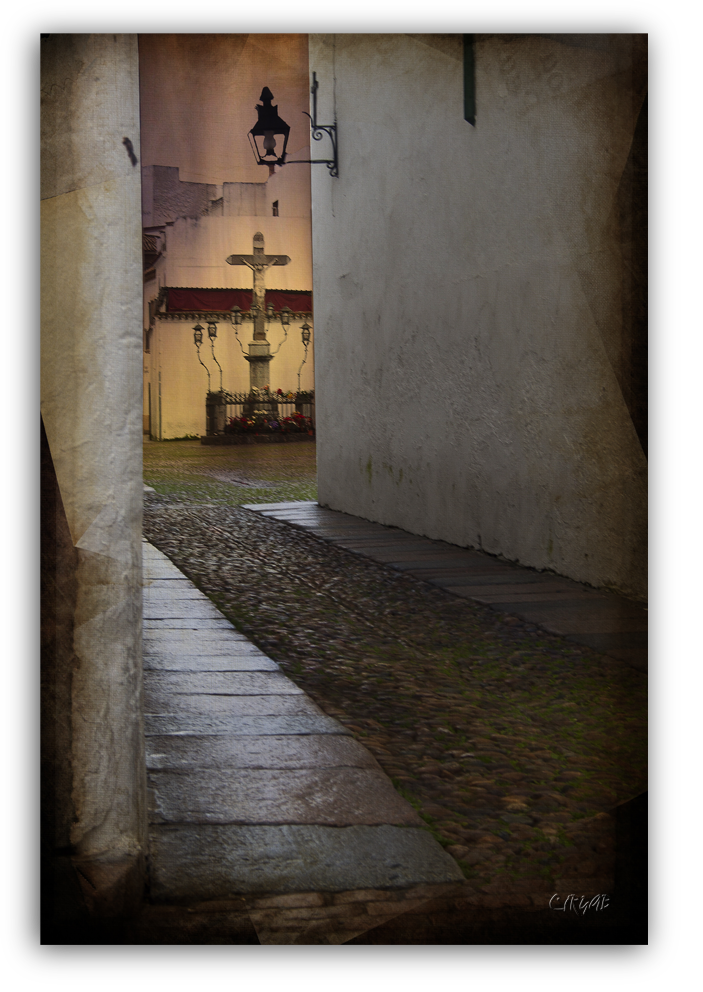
[(212, 334), (198, 340), (305, 337), (236, 322), (285, 316)]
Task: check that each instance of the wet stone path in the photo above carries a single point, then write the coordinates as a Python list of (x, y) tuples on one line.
[(513, 744)]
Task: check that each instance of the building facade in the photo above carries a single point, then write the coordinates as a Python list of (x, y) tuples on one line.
[(480, 294), (190, 229)]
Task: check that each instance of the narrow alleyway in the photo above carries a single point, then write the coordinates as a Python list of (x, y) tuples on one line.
[(514, 745)]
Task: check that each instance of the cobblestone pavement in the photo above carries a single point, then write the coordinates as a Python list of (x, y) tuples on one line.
[(512, 744)]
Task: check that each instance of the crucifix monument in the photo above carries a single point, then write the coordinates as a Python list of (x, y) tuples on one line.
[(259, 348)]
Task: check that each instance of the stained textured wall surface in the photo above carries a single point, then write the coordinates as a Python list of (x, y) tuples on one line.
[(91, 343), (480, 325)]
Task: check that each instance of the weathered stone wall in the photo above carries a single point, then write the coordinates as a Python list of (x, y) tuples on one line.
[(91, 408), (479, 332)]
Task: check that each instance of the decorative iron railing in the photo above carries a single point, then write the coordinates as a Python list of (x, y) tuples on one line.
[(260, 412)]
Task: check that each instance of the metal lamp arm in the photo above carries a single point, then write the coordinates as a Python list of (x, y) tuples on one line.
[(197, 348), (284, 338), (317, 131), (212, 348)]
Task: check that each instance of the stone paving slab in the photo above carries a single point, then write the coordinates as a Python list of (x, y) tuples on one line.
[(217, 862), (172, 589), (332, 796), (175, 703), (160, 574), (313, 751), (211, 646), (383, 553), (192, 638), (181, 623), (387, 554), (210, 662), (531, 594), (419, 564), (459, 576), (217, 651), (166, 609), (253, 726), (228, 683), (558, 604)]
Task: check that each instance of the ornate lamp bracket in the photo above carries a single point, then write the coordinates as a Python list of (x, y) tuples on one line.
[(318, 130)]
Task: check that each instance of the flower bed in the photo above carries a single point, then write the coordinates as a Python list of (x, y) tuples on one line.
[(261, 414), (262, 422)]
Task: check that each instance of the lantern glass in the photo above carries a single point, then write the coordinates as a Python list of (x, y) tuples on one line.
[(198, 334), (285, 315), (236, 315), (305, 334), (212, 330)]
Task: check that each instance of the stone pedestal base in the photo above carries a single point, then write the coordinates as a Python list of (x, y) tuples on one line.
[(259, 357)]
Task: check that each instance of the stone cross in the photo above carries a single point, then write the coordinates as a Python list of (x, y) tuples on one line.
[(259, 263), (259, 349)]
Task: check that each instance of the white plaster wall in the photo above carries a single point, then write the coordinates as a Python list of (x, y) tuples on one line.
[(91, 386), (467, 299)]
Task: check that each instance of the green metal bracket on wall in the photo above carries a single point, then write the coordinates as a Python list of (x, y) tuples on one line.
[(469, 80)]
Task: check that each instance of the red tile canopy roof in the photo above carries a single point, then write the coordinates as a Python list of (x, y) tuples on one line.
[(213, 300)]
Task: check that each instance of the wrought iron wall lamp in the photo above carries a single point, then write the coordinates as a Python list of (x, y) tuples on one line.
[(262, 136)]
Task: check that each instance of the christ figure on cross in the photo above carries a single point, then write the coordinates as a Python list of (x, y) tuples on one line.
[(259, 262)]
